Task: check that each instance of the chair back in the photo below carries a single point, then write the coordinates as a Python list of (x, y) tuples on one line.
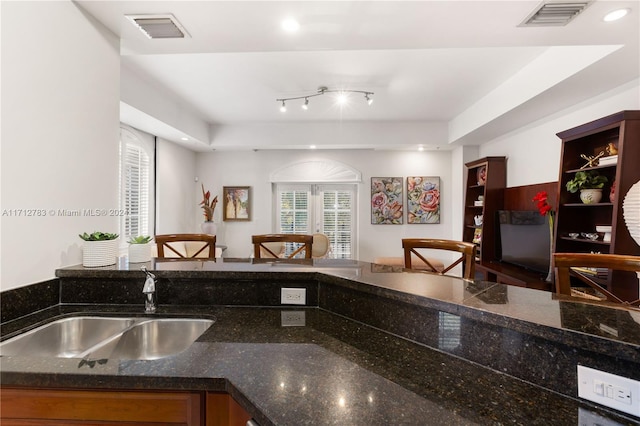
[(581, 265), (410, 246), (260, 247), (321, 245), (167, 245)]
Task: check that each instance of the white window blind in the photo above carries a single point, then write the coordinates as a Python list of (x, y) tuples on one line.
[(136, 185), (327, 209)]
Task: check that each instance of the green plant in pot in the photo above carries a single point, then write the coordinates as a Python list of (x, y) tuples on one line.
[(589, 183), (139, 249), (99, 249)]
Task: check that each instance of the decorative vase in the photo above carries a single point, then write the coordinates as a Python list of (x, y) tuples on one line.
[(99, 253), (591, 195), (209, 227), (139, 253)]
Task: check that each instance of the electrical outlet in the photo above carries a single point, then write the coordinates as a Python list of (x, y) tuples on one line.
[(610, 390), (292, 318), (293, 296)]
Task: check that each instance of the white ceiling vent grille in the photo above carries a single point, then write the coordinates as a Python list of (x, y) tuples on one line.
[(159, 26), (554, 14)]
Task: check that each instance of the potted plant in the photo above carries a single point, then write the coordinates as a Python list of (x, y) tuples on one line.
[(590, 184), (140, 249), (209, 206), (99, 249)]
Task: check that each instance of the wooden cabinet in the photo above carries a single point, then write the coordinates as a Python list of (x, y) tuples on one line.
[(108, 407), (622, 131), (484, 195)]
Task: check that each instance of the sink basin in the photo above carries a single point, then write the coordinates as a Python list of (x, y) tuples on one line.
[(65, 338), (107, 337), (154, 339)]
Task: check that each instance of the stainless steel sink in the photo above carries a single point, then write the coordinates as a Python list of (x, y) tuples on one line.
[(107, 337), (154, 339)]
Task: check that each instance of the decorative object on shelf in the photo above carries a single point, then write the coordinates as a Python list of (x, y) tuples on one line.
[(140, 249), (423, 199), (591, 236), (99, 249), (590, 184), (479, 202), (612, 192), (482, 175), (477, 220), (592, 160), (606, 231), (541, 199), (477, 236), (236, 203), (341, 98), (611, 149), (631, 211), (386, 200), (573, 235)]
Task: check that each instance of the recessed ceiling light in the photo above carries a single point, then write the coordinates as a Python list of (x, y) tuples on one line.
[(312, 147), (184, 139), (290, 25), (421, 148), (616, 14)]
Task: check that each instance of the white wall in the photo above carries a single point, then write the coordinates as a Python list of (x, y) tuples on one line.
[(252, 169), (60, 131), (176, 198), (533, 152)]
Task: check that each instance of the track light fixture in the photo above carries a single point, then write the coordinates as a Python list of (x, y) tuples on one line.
[(321, 91)]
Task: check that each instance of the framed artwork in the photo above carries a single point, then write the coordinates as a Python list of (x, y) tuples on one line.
[(423, 199), (386, 200), (236, 203)]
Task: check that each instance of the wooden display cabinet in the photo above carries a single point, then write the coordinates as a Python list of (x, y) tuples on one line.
[(622, 130), (486, 178)]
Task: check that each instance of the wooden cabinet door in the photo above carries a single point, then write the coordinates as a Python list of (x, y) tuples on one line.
[(49, 407)]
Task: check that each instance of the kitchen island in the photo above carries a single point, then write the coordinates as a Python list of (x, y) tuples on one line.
[(372, 344)]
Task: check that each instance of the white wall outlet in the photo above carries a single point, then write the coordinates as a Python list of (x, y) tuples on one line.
[(293, 296), (292, 319), (610, 390)]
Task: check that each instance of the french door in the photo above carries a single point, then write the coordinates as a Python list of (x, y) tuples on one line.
[(329, 209)]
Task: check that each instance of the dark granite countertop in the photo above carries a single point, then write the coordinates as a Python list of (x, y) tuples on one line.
[(375, 347), (332, 370)]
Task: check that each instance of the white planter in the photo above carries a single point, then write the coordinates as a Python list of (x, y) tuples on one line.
[(209, 228), (139, 253), (591, 196), (99, 253)]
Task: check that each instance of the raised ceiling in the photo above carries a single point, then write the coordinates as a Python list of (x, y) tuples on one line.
[(465, 64)]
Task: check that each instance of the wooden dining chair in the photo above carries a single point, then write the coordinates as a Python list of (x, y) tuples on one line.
[(261, 244), (170, 246), (410, 246), (578, 265)]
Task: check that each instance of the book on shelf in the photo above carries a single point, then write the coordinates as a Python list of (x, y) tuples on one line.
[(607, 161)]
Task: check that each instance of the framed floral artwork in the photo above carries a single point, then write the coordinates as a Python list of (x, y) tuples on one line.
[(386, 201), (236, 203), (423, 199)]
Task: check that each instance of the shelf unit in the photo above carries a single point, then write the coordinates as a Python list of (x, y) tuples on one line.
[(492, 189), (623, 131)]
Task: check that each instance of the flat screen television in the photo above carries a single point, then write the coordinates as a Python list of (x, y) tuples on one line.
[(524, 239)]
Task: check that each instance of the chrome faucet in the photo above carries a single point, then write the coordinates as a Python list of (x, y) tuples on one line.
[(149, 291)]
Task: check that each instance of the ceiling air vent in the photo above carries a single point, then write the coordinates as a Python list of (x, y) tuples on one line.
[(554, 14), (159, 26)]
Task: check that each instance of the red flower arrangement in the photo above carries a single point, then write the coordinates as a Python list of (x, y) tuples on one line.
[(544, 208), (208, 206)]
